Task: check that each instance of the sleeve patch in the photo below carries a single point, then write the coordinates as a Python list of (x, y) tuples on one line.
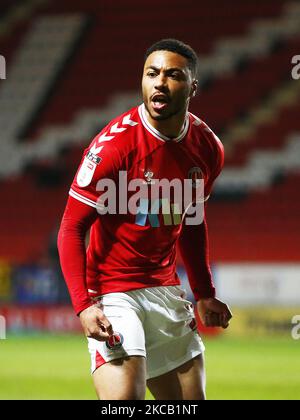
[(86, 172), (93, 158)]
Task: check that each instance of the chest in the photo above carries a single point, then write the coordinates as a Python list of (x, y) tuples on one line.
[(171, 162)]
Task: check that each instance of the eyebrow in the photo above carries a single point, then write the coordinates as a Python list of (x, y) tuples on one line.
[(168, 70)]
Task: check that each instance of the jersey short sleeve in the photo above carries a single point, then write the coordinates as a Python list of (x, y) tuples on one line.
[(98, 162)]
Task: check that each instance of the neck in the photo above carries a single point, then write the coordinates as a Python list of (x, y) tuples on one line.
[(170, 127)]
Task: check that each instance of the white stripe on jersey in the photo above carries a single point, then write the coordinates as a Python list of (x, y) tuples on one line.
[(81, 198)]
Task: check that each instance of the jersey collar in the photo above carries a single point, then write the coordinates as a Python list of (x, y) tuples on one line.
[(156, 133)]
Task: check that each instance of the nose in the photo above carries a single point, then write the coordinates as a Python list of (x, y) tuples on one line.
[(161, 82)]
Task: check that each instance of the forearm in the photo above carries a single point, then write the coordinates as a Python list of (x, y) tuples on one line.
[(194, 250), (71, 246)]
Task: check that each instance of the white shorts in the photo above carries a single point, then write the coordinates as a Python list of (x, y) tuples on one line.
[(157, 323)]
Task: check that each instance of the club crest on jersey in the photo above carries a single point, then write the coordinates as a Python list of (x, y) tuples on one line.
[(115, 341), (195, 174)]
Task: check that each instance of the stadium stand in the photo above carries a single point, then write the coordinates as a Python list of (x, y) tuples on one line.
[(247, 97)]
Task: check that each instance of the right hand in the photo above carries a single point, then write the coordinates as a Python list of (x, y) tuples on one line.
[(214, 313), (95, 324)]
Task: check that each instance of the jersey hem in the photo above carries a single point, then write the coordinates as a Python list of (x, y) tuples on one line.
[(107, 290)]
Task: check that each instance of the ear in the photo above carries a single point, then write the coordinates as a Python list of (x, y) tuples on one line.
[(194, 88)]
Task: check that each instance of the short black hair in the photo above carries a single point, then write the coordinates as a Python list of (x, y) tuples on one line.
[(178, 47)]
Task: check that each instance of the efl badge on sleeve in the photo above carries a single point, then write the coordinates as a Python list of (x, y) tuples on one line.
[(87, 169)]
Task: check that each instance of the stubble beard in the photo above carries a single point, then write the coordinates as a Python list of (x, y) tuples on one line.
[(162, 117)]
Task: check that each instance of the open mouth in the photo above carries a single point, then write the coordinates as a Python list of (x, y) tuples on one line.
[(159, 102)]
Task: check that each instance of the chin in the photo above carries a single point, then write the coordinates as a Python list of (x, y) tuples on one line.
[(159, 117), (155, 115)]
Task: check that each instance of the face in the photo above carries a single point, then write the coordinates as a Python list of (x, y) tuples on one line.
[(167, 85)]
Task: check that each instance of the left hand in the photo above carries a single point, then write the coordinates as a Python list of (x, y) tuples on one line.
[(214, 313)]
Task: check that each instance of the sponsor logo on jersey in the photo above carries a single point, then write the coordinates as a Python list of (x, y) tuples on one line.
[(166, 203), (115, 341), (150, 211)]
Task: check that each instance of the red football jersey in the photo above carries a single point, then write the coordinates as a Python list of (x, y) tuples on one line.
[(131, 251)]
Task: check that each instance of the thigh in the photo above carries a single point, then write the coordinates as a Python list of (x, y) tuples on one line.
[(187, 382), (118, 365), (170, 330), (121, 379)]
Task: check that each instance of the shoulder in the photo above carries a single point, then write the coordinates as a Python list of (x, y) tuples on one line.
[(118, 135), (207, 138)]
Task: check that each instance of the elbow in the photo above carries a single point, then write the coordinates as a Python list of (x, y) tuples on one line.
[(59, 240), (62, 236)]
